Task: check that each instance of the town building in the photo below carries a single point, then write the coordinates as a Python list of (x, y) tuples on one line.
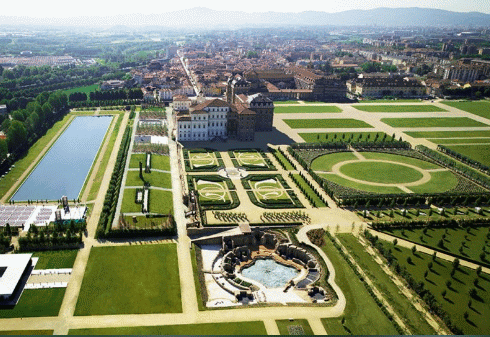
[(377, 87), (113, 85), (13, 267)]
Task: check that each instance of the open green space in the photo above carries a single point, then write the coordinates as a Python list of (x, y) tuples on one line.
[(136, 158), (280, 157), (456, 300), (398, 108), (128, 205), (130, 280), (381, 172), (55, 259), (86, 89), (398, 100), (336, 123), (401, 304), (452, 141), (250, 159), (480, 153), (480, 108), (307, 109), (362, 314), (266, 184), (284, 324), (467, 243), (161, 202), (447, 134), (207, 159), (329, 137), (145, 222), (155, 178), (36, 303), (363, 187), (308, 191), (326, 162), (228, 328), (441, 122), (158, 162), (423, 214), (440, 182), (22, 164), (27, 332), (401, 159)]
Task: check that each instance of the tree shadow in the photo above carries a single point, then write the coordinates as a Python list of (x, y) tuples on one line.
[(430, 281), (472, 308), (449, 300), (470, 322)]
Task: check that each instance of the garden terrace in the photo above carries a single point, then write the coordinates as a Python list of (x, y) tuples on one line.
[(152, 113), (337, 123), (153, 129), (307, 109), (332, 137), (159, 149), (399, 108), (214, 192), (270, 191), (448, 122), (202, 160), (480, 108), (251, 160)]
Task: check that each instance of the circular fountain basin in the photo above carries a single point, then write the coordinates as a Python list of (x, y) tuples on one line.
[(270, 273)]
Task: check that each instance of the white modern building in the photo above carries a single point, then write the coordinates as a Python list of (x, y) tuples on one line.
[(12, 268)]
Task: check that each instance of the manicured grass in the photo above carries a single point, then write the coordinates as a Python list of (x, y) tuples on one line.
[(283, 325), (229, 328), (457, 296), (328, 137), (326, 162), (105, 160), (136, 158), (444, 141), (401, 304), (130, 280), (337, 123), (440, 182), (128, 205), (479, 153), (27, 332), (380, 172), (401, 100), (161, 202), (412, 215), (56, 259), (447, 134), (265, 184), (401, 159), (473, 240), (307, 109), (398, 108), (363, 187), (480, 108), (36, 303), (197, 284), (362, 314), (157, 161), (22, 164), (280, 157), (447, 122), (86, 89), (250, 159), (156, 179), (308, 191)]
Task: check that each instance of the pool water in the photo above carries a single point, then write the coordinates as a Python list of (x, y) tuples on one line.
[(270, 273), (65, 166)]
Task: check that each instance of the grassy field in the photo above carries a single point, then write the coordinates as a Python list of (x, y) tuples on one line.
[(363, 187), (401, 159), (86, 89), (128, 205), (157, 162), (308, 191), (362, 314), (315, 137), (336, 123), (447, 134), (36, 303), (119, 280), (326, 162), (480, 108), (446, 122), (283, 324), (479, 153), (161, 202), (22, 164), (411, 316), (423, 215), (381, 100), (440, 182), (458, 141), (105, 159), (380, 172), (307, 109), (27, 332), (229, 328), (157, 179), (398, 108), (55, 259), (457, 297), (283, 160), (466, 243)]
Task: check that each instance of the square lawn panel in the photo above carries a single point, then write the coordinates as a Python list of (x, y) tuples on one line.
[(128, 204), (326, 123), (36, 303), (161, 202), (130, 280)]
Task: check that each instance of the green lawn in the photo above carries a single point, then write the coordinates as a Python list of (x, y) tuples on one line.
[(27, 332), (446, 122), (136, 158), (157, 161), (399, 100), (457, 296), (128, 205), (337, 123), (156, 179), (362, 314), (328, 137), (308, 192), (401, 159), (452, 141), (283, 325), (440, 182), (280, 157), (411, 316), (326, 162), (481, 108), (447, 134), (130, 280), (363, 187), (479, 153), (161, 202), (22, 164), (398, 108), (36, 303), (472, 240), (307, 109), (229, 328), (86, 89), (56, 259), (380, 172)]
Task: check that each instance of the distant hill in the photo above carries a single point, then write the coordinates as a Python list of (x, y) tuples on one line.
[(200, 17)]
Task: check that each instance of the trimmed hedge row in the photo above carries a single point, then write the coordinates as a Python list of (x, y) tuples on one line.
[(440, 223), (307, 189), (293, 203)]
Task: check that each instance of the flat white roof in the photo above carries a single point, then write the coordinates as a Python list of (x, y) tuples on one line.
[(16, 265)]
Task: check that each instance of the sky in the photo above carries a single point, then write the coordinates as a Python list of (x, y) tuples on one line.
[(63, 8)]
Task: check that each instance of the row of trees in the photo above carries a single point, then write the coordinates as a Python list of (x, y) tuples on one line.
[(471, 162)]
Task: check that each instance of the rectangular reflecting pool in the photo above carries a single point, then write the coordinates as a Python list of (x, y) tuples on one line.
[(65, 166)]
